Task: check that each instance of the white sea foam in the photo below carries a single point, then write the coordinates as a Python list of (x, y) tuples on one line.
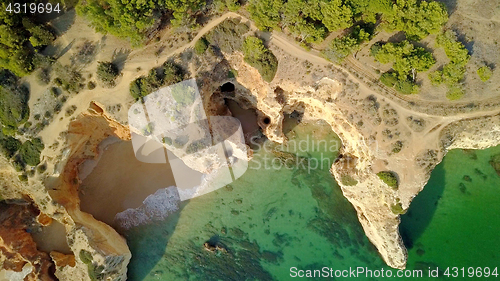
[(155, 207)]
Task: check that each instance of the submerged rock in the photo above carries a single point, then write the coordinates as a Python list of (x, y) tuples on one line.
[(495, 163)]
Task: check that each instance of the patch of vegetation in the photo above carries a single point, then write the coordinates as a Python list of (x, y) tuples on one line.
[(484, 73), (342, 47), (233, 73), (455, 93), (148, 130), (347, 180), (201, 46), (452, 73), (30, 151), (390, 178), (107, 73), (416, 18), (397, 209), (397, 146), (406, 87), (85, 256), (166, 74), (23, 177), (9, 146), (258, 56), (406, 58), (231, 5), (228, 35), (389, 79), (20, 39), (311, 20), (91, 85), (41, 168), (406, 61), (183, 94), (14, 109), (68, 78), (135, 19)]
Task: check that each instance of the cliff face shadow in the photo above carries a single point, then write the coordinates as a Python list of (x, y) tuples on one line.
[(148, 244), (423, 208)]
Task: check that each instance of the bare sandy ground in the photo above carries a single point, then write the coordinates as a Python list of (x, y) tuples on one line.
[(119, 181)]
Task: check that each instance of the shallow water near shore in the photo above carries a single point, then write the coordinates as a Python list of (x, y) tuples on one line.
[(283, 213)]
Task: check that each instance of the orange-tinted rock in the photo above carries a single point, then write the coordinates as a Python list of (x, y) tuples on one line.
[(43, 219), (62, 260), (17, 245)]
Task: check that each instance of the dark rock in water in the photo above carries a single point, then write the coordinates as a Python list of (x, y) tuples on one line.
[(214, 246), (471, 153), (272, 257), (237, 232), (495, 163), (467, 178), (462, 187), (480, 173), (228, 187)]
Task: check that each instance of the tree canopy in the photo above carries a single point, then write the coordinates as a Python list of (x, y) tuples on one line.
[(107, 72), (14, 109), (406, 58), (452, 73), (416, 18), (258, 56), (134, 18), (19, 40)]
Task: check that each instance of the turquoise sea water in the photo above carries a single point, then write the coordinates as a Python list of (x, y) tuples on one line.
[(270, 220)]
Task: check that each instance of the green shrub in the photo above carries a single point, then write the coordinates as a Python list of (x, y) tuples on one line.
[(91, 85), (54, 91), (166, 74), (41, 168), (340, 48), (406, 87), (68, 78), (9, 146), (107, 72), (455, 93), (406, 58), (389, 79), (14, 109), (85, 256), (30, 151), (18, 164), (183, 94), (390, 178), (397, 209), (258, 56), (201, 46), (148, 130), (228, 35), (484, 73), (43, 76), (233, 73), (23, 177), (167, 141), (347, 180)]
